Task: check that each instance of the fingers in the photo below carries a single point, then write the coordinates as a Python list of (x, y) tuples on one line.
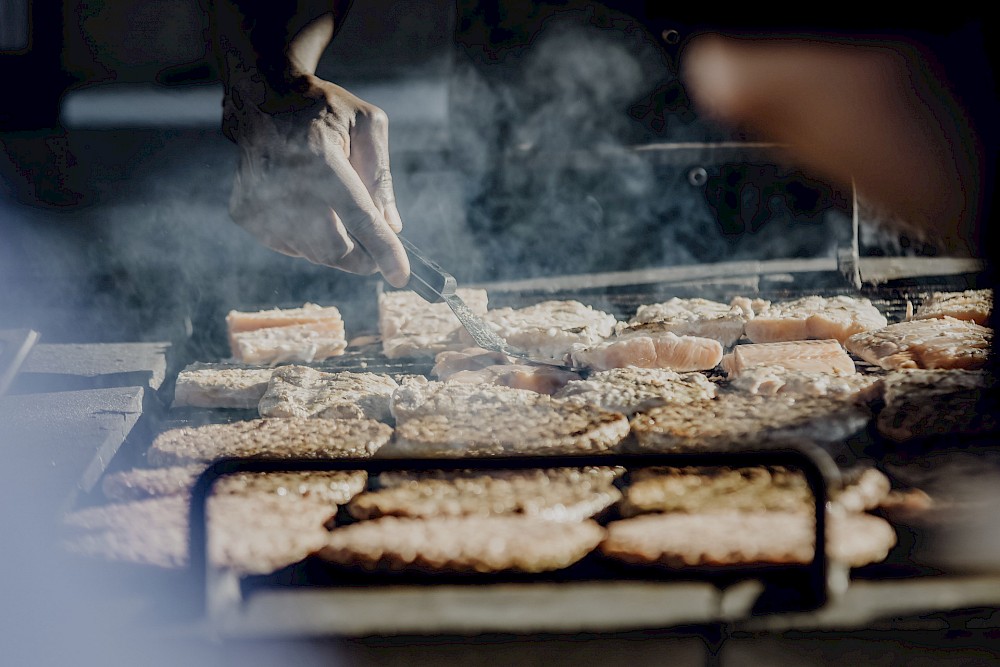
[(349, 197), (369, 155)]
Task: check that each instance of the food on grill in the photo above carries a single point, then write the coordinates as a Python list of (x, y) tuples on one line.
[(418, 397), (255, 533), (971, 305), (449, 362), (664, 350), (139, 483), (280, 438), (736, 422), (540, 379), (631, 390), (551, 329), (452, 419), (776, 381), (934, 343), (220, 386), (816, 356), (734, 538), (925, 403), (815, 318), (412, 327), (557, 495), (695, 317), (751, 489), (309, 333), (299, 391), (462, 544)]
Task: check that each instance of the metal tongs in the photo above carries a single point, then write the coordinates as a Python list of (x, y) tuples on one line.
[(435, 285)]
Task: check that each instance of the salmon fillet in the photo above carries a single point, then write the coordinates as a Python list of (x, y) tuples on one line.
[(815, 318), (309, 333), (664, 350), (695, 317), (971, 305), (933, 343), (449, 362), (815, 356), (412, 327)]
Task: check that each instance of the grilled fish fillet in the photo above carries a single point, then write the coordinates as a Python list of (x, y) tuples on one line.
[(663, 350), (970, 305), (815, 356), (631, 390), (281, 438), (735, 422), (928, 403), (462, 544), (220, 386), (735, 539), (933, 343), (309, 333), (815, 318), (255, 533), (695, 317), (553, 495), (449, 362), (772, 381), (299, 391), (539, 379), (411, 327), (550, 329)]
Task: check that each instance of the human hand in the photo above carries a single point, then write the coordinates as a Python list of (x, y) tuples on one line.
[(313, 179)]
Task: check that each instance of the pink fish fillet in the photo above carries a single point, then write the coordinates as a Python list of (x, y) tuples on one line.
[(664, 350), (818, 356)]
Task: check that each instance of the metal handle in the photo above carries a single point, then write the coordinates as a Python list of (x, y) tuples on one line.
[(428, 279)]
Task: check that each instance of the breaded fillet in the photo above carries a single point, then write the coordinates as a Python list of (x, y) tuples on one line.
[(280, 438), (220, 386), (299, 391), (927, 403), (776, 381), (742, 539), (631, 390), (462, 544)]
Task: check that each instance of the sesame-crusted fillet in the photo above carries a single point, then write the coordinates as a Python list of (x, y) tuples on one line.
[(631, 390), (546, 494), (658, 350), (970, 305), (734, 422), (299, 391), (417, 397), (815, 318), (551, 329), (545, 427), (462, 544), (933, 343), (281, 438), (816, 356), (922, 403), (693, 317), (758, 488), (739, 539), (216, 386), (411, 327), (254, 533), (334, 487), (777, 381)]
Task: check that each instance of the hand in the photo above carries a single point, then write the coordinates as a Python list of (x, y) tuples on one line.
[(313, 179)]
